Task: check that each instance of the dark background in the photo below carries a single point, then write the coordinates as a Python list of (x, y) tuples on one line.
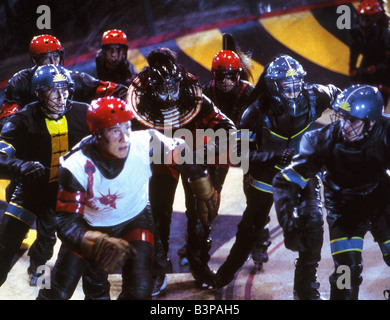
[(82, 22)]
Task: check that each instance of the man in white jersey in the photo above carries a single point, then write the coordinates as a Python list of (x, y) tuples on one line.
[(104, 218)]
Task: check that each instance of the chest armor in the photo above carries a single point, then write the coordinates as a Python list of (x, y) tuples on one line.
[(350, 167), (285, 130)]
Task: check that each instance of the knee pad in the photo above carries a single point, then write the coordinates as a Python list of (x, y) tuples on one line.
[(310, 213)]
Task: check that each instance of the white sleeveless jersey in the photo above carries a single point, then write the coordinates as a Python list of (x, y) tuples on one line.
[(112, 201)]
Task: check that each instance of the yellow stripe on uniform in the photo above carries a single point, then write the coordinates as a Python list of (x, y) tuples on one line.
[(203, 46), (3, 186), (292, 137), (58, 130), (304, 35)]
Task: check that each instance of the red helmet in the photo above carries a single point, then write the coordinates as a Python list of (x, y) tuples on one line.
[(370, 7), (226, 60), (106, 112), (114, 36), (44, 43)]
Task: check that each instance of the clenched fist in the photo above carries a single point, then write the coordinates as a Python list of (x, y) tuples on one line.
[(31, 170), (109, 253)]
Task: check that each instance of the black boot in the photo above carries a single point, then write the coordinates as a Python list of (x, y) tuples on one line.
[(238, 255), (345, 282), (306, 286), (198, 257), (339, 292), (197, 252), (33, 274)]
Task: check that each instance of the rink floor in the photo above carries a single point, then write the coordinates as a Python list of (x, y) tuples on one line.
[(274, 282)]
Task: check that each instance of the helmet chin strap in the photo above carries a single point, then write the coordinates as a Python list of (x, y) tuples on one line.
[(52, 112)]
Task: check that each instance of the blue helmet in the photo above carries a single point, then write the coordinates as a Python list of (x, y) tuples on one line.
[(363, 102), (284, 68), (49, 76), (284, 78)]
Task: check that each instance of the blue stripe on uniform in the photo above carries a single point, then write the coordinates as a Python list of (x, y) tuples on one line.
[(7, 148), (259, 185), (293, 176), (21, 214), (346, 244), (246, 135)]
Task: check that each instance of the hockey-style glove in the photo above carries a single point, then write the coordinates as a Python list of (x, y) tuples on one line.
[(286, 199), (109, 253), (208, 199), (31, 170), (294, 238)]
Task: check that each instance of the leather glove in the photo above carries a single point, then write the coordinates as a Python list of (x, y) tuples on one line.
[(31, 170), (208, 199), (108, 253), (286, 195), (294, 238)]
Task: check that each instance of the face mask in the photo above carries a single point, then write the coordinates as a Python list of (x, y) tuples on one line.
[(290, 89), (168, 92), (55, 100), (352, 129), (166, 84), (226, 80)]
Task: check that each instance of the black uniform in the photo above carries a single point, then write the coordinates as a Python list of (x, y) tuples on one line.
[(356, 191), (233, 104), (273, 129), (230, 103), (30, 136)]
